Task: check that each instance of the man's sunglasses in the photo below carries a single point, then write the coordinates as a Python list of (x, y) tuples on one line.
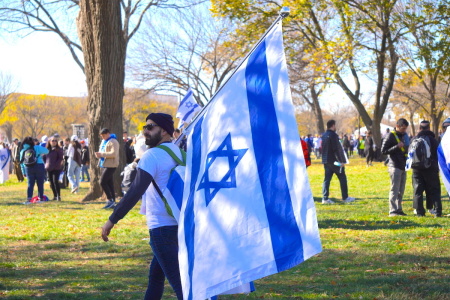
[(149, 127)]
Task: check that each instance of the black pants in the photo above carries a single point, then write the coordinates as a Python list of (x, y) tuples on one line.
[(331, 169), (107, 182), (427, 181), (370, 156), (53, 177)]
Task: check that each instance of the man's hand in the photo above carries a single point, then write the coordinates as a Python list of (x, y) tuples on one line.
[(400, 145), (106, 230), (97, 154)]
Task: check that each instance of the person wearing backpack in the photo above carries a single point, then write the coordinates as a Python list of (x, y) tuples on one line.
[(32, 163), (153, 172), (394, 146), (425, 176)]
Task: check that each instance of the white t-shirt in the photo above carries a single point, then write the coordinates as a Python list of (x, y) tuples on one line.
[(158, 163)]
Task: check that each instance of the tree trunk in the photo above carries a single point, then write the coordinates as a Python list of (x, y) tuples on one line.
[(8, 127), (411, 123), (317, 110), (104, 47)]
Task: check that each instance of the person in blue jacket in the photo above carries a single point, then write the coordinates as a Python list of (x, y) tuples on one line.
[(34, 173)]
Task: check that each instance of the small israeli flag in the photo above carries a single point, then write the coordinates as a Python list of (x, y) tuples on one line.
[(247, 210), (187, 109), (5, 159)]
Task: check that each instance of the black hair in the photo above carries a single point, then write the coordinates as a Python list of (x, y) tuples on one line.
[(104, 131), (331, 123), (402, 122), (28, 141), (424, 125)]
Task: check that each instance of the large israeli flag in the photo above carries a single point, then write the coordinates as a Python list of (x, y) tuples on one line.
[(247, 210), (187, 109), (444, 160)]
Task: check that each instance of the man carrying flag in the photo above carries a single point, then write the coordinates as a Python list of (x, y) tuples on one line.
[(153, 172), (247, 210), (187, 109)]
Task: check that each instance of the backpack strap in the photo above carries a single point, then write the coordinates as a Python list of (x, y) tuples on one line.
[(179, 162), (398, 141), (166, 204), (173, 155)]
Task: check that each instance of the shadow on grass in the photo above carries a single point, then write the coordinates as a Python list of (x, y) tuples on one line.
[(373, 225), (334, 273), (341, 274), (21, 203)]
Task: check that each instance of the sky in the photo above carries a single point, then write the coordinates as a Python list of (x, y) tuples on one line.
[(41, 64)]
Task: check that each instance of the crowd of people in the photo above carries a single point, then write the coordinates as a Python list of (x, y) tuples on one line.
[(334, 151), (65, 163)]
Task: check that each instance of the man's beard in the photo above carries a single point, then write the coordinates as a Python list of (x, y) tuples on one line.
[(153, 141)]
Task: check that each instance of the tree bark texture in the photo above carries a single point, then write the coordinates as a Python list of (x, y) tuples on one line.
[(104, 48), (317, 109)]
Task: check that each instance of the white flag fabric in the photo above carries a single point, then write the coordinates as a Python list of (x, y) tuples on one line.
[(187, 109), (247, 210), (174, 197), (5, 159), (444, 160)]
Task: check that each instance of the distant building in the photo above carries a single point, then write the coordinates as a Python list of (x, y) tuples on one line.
[(79, 131)]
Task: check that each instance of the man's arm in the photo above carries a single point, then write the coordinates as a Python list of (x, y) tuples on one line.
[(390, 145), (137, 189), (337, 149)]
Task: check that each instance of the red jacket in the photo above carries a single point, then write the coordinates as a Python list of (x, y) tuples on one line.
[(305, 153)]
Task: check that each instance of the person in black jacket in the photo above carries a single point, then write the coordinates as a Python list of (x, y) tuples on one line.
[(333, 160), (394, 146), (85, 160), (427, 180), (368, 148)]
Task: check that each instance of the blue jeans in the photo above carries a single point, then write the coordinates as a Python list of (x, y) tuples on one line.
[(35, 174), (74, 173), (164, 243), (85, 173)]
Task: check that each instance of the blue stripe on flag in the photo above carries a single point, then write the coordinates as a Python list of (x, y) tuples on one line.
[(176, 187), (189, 224), (269, 159), (189, 112), (188, 95), (443, 163)]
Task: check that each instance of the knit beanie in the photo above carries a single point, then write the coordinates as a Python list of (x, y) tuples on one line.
[(165, 121)]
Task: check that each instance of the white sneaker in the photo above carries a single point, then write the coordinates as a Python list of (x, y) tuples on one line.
[(432, 211), (328, 201), (349, 199)]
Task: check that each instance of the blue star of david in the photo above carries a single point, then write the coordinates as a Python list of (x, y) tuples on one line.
[(189, 104), (229, 179)]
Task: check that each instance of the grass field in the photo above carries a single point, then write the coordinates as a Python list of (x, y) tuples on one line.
[(54, 251)]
